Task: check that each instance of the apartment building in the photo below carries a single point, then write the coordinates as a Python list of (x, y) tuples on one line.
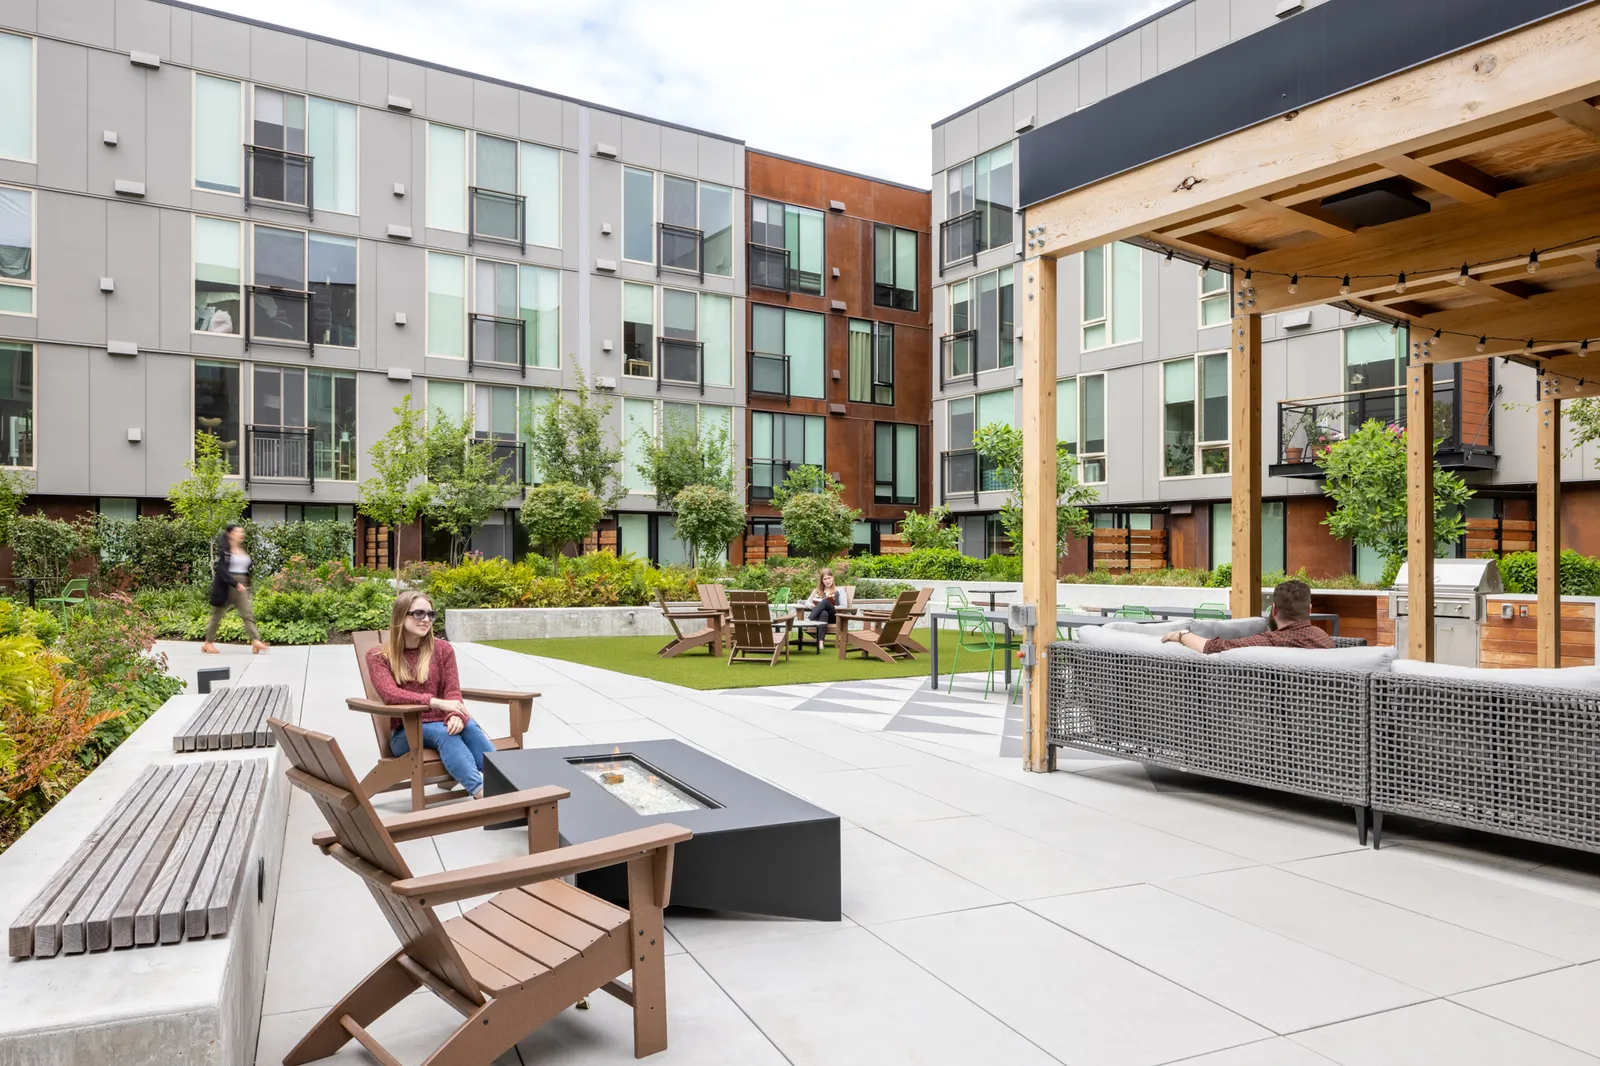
[(1143, 350), (211, 224), (839, 361)]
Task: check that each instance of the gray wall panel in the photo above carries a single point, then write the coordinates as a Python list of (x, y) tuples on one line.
[(277, 58), (641, 143), (1211, 19), (449, 96), (721, 161), (996, 125), (221, 45), (495, 108), (169, 429), (374, 74), (69, 268), (168, 98), (20, 15), (61, 383), (409, 81), (938, 163), (61, 145), (177, 274), (88, 21), (1092, 77), (400, 284), (605, 127), (143, 26), (182, 35), (1149, 51), (333, 71), (539, 118), (571, 122), (116, 102), (680, 153), (961, 139), (1175, 37), (1248, 16), (376, 398), (1025, 102), (1058, 93), (390, 155), (133, 312), (1124, 62), (116, 404)]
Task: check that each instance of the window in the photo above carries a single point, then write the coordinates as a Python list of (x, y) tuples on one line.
[(681, 349), (332, 137), (447, 178), (304, 287), (871, 362), (967, 415), (1214, 295), (494, 412), (895, 462), (790, 355), (638, 215), (786, 247), (540, 305), (516, 314), (16, 404), (496, 204), (1110, 295), (278, 160), (218, 134), (1274, 528), (983, 326), (539, 181), (778, 444), (638, 331), (217, 403), (16, 97), (17, 274), (534, 402), (1194, 403), (978, 205), (1081, 423), (716, 335), (447, 305), (331, 266), (716, 223), (447, 399), (696, 227), (638, 430), (291, 404), (217, 275), (894, 271)]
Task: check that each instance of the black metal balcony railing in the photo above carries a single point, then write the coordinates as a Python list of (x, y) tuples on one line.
[(769, 375), (493, 340), (768, 268), (275, 176), (680, 248), (279, 453), (278, 316), (959, 238), (680, 362), (493, 215), (1307, 428), (958, 357), (966, 473), (511, 456), (766, 475)]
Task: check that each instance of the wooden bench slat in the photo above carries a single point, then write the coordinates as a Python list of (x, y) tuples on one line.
[(231, 867), (207, 738), (146, 919), (170, 918), (122, 918), (282, 710), (196, 909), (228, 725), (74, 925), (234, 717), (143, 849)]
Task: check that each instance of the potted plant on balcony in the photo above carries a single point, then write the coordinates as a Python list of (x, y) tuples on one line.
[(1303, 425)]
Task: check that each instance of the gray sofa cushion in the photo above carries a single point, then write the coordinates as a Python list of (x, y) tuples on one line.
[(1358, 660), (1145, 629), (1138, 643), (1227, 628), (1585, 678)]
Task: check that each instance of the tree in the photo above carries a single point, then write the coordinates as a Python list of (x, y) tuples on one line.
[(818, 525), (469, 481), (686, 455), (1366, 478), (1002, 446), (929, 530), (557, 513), (205, 499), (398, 491), (14, 488), (570, 442), (709, 516), (803, 479)]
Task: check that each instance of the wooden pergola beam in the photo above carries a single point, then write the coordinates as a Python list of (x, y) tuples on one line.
[(1580, 115), (1562, 315), (1419, 513), (1547, 520), (1308, 218), (1452, 177), (1245, 461), (1039, 554)]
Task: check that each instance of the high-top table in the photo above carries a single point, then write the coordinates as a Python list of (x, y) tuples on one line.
[(1064, 619), (1165, 613)]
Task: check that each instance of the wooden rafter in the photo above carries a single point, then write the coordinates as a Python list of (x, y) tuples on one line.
[(1308, 218), (1563, 315), (1452, 177), (1581, 115)]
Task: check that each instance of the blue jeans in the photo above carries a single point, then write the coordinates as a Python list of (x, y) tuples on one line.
[(462, 754)]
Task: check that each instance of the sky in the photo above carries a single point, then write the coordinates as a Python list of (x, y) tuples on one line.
[(852, 84)]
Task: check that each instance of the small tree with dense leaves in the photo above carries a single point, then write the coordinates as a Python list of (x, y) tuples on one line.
[(929, 530), (685, 455), (1002, 447), (818, 525), (570, 442), (469, 481), (709, 516), (804, 479), (398, 491), (206, 499), (14, 488), (559, 513)]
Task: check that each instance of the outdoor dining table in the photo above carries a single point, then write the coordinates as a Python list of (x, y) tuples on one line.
[(1188, 612), (991, 593), (1064, 619)]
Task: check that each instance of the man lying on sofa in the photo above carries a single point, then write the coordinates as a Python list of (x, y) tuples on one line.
[(1288, 626)]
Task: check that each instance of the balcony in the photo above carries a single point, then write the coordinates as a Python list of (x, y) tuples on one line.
[(279, 453), (769, 375), (960, 238), (966, 473), (957, 360), (680, 362), (277, 315), (1463, 424), (510, 456), (680, 249), (768, 268), (496, 341), (493, 215), (277, 177), (766, 475)]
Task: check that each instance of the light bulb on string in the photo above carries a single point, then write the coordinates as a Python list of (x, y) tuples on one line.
[(1533, 261), (1529, 349), (1169, 255), (1294, 284), (1483, 342), (1583, 350), (1465, 276), (1394, 327), (1205, 268), (1400, 286), (1344, 286)]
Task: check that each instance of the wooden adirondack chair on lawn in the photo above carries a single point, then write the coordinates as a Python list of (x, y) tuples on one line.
[(883, 642), (918, 609), (420, 766), (681, 642), (508, 965), (753, 638)]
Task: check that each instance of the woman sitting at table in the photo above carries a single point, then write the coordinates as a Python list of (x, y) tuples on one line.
[(825, 600)]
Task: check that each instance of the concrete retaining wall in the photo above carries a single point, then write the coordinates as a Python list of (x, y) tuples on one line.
[(533, 623)]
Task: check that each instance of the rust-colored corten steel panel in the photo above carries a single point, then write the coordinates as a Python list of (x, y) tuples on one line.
[(847, 237), (1580, 518), (1310, 545)]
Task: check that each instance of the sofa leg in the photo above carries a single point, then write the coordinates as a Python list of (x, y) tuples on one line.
[(1377, 829), (1362, 813)]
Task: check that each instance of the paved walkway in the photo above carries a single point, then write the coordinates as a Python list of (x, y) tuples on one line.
[(1104, 914)]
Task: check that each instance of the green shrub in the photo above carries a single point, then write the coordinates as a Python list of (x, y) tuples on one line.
[(150, 552), (1221, 577), (924, 564), (1580, 574), (1002, 568), (928, 530)]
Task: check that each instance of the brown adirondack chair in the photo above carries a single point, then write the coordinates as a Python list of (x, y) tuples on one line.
[(710, 634), (884, 642), (714, 597), (420, 767), (509, 965), (918, 609), (753, 638)]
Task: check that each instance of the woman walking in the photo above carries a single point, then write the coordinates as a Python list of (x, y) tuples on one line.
[(411, 666), (826, 599), (230, 588)]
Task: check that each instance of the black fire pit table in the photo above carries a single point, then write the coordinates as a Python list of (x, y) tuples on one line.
[(756, 848)]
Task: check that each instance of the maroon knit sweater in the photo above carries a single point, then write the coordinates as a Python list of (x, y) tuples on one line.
[(444, 682)]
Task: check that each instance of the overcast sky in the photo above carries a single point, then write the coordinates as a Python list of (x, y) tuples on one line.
[(851, 83)]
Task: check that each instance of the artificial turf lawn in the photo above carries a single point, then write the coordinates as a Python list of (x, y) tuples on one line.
[(699, 669)]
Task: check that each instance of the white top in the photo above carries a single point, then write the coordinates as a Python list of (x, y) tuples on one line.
[(238, 563)]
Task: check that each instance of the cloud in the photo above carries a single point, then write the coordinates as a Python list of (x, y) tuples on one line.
[(850, 84)]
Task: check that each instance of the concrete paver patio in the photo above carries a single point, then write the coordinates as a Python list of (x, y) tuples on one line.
[(1104, 914)]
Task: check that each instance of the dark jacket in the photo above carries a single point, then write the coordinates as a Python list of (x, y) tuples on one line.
[(221, 580)]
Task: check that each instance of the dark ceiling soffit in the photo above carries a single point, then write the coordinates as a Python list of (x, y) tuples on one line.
[(1331, 49)]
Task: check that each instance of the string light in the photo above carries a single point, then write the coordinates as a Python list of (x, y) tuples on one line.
[(1401, 286), (1483, 342), (1583, 350), (1529, 349), (1205, 268), (1294, 284), (1394, 327), (1344, 286), (1169, 254), (1533, 261), (1466, 275)]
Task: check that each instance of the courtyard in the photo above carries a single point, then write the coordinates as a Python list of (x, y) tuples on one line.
[(1105, 913)]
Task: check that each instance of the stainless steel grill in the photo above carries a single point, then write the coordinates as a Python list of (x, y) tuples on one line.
[(1461, 588)]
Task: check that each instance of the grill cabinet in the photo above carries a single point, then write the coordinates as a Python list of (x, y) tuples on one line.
[(1461, 588)]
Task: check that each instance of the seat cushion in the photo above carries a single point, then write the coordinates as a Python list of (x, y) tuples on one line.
[(1582, 678)]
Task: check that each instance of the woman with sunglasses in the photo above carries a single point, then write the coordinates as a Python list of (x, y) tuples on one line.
[(410, 666)]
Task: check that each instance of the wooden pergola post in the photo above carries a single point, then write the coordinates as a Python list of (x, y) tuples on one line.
[(1548, 520), (1245, 596), (1419, 510), (1039, 495)]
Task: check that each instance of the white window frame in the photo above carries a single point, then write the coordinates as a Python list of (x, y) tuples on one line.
[(1224, 294), (33, 355), (1200, 446), (33, 132), (247, 406), (468, 151), (655, 212), (32, 284), (244, 405), (472, 300), (1099, 456), (655, 326), (427, 304), (1108, 264), (245, 101), (250, 263)]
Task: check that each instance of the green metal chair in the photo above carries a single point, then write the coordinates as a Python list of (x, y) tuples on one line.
[(1211, 610), (976, 635), (779, 601), (73, 593), (955, 597), (1135, 612)]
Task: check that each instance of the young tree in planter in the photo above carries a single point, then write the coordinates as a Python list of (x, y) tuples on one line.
[(929, 530), (1366, 477), (686, 455), (205, 499), (398, 492), (469, 481), (569, 442), (709, 516), (803, 479), (1002, 446), (818, 525), (558, 513)]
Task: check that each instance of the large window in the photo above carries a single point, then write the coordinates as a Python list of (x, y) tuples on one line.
[(303, 149), (539, 180), (16, 404), (1081, 424), (638, 215), (895, 462), (978, 205), (787, 341), (516, 191), (218, 399), (447, 178), (447, 305), (218, 275), (786, 247), (638, 430), (1274, 532), (16, 97), (638, 330), (291, 404), (516, 314), (894, 267), (218, 134), (967, 415), (778, 444), (303, 287), (1111, 301), (17, 273), (982, 324), (332, 137), (278, 169), (1214, 296), (871, 362), (696, 226), (1194, 419)]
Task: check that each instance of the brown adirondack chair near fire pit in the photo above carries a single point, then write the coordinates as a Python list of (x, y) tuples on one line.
[(753, 638), (884, 642), (508, 965), (918, 609), (710, 634), (420, 766)]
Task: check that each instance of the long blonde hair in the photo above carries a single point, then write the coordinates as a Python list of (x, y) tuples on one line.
[(394, 645)]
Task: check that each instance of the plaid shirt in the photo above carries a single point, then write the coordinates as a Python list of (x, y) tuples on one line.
[(1291, 635)]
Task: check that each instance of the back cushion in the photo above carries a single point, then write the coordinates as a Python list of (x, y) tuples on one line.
[(1143, 629), (1143, 644), (1227, 628), (1356, 660), (1583, 678)]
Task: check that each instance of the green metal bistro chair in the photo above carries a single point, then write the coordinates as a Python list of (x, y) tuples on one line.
[(1134, 611), (779, 601), (955, 597), (976, 636), (73, 593), (1211, 610)]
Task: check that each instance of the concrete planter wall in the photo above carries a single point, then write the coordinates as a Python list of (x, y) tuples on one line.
[(533, 623)]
